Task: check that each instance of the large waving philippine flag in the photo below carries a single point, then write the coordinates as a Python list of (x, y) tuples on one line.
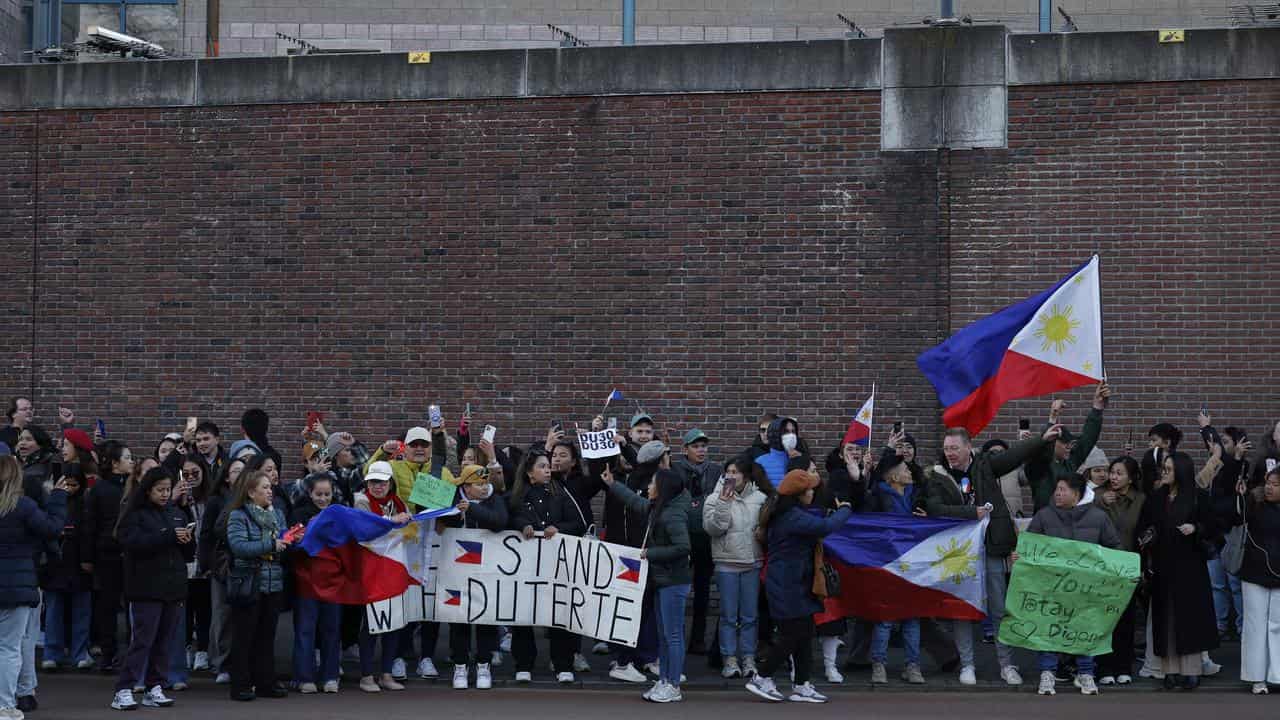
[(1044, 344), (356, 557), (859, 431), (899, 567)]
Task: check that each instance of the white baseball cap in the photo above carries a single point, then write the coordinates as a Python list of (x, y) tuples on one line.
[(380, 470), (417, 433)]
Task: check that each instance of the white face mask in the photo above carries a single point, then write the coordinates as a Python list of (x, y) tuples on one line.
[(789, 442)]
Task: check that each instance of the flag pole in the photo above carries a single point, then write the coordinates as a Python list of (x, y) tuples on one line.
[(871, 427)]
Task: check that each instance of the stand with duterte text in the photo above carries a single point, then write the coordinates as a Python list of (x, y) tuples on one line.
[(1067, 596), (586, 586)]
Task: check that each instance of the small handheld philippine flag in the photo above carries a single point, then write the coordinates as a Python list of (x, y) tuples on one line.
[(615, 395), (455, 598), (859, 432), (471, 553), (632, 573)]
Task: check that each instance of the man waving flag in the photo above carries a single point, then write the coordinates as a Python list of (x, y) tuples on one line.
[(1044, 344)]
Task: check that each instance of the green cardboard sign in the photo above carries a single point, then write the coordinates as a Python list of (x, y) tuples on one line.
[(431, 492), (1067, 596)]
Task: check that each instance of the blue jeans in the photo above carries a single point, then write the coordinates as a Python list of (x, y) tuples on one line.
[(316, 624), (739, 601), (910, 641), (27, 674), (1048, 662), (670, 615), (13, 630), (1226, 594), (65, 645)]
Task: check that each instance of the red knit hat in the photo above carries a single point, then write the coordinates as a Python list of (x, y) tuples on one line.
[(79, 438)]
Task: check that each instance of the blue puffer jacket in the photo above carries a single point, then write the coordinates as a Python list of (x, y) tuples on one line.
[(249, 545), (788, 578), (23, 533)]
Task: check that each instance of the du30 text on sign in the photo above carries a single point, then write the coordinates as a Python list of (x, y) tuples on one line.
[(585, 586)]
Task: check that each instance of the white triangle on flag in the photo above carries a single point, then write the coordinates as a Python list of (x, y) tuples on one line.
[(1066, 331)]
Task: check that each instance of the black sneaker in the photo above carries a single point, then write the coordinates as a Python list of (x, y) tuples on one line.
[(1064, 675), (27, 703)]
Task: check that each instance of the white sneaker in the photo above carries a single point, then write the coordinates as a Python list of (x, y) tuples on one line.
[(1107, 680), (628, 673), (668, 693), (968, 676), (524, 677), (648, 694), (484, 678), (652, 668), (565, 678), (879, 674), (201, 661), (806, 693), (222, 679), (600, 648), (1208, 667), (1010, 675), (124, 700), (369, 685), (11, 714), (1123, 679), (48, 665), (1148, 672), (833, 675), (398, 669), (180, 686), (748, 667), (331, 687), (1086, 684), (84, 665), (389, 682), (155, 697), (460, 679), (308, 689), (1259, 688), (580, 663), (730, 669), (427, 669), (1047, 681), (765, 688)]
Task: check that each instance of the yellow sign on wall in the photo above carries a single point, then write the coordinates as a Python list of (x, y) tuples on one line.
[(419, 57), (1172, 36)]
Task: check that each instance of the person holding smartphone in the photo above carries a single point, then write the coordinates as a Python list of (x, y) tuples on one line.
[(157, 545)]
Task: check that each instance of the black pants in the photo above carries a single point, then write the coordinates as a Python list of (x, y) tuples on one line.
[(108, 581), (428, 632), (253, 643), (1120, 660), (199, 612), (703, 571), (460, 643), (525, 650), (794, 639)]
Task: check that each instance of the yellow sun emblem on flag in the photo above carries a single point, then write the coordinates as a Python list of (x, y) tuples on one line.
[(957, 562), (411, 532), (865, 416), (1056, 329)]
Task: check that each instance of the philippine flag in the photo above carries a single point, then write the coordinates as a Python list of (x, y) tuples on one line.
[(615, 395), (632, 571), (898, 567), (356, 557), (455, 597), (859, 431), (1042, 345), (470, 553)]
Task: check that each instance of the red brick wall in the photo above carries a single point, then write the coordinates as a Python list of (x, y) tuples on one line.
[(714, 256)]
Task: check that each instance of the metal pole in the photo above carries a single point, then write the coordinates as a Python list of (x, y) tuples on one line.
[(1046, 16), (948, 9), (124, 16), (628, 22), (212, 16)]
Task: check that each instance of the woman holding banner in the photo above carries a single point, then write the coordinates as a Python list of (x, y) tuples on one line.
[(667, 547), (794, 552), (378, 499), (481, 508), (1179, 516), (540, 505)]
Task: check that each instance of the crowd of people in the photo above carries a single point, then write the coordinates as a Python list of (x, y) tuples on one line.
[(197, 538)]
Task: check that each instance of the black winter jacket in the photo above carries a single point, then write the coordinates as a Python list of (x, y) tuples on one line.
[(541, 508), (62, 572), (24, 532), (155, 564), (101, 512)]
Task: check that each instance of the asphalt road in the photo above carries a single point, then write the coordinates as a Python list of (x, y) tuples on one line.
[(82, 697)]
